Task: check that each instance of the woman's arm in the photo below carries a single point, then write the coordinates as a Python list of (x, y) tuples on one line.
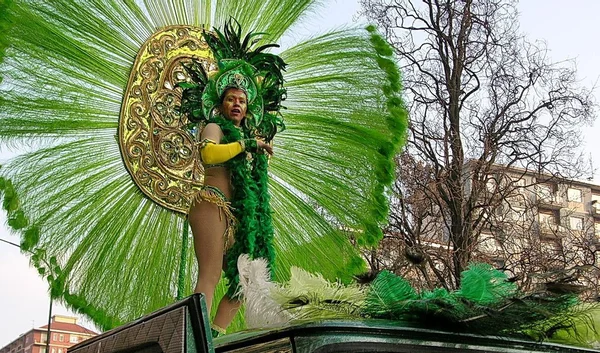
[(214, 153)]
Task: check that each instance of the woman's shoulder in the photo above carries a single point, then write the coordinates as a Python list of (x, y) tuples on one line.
[(212, 126), (212, 131)]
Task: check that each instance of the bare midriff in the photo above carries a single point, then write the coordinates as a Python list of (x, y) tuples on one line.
[(218, 177)]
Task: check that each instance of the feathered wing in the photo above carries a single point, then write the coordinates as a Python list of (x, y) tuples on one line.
[(345, 122), (111, 253)]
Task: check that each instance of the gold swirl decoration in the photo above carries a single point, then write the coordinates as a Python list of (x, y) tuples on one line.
[(159, 153)]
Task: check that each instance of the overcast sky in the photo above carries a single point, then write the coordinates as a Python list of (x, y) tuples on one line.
[(569, 31)]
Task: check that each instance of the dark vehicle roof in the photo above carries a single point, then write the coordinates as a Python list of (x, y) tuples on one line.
[(375, 336), (183, 327)]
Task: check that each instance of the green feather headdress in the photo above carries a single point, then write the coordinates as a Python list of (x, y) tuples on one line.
[(240, 65)]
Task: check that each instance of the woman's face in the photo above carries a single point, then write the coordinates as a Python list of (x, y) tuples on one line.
[(234, 105)]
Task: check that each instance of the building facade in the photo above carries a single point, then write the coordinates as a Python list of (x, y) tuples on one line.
[(544, 226), (64, 333), (539, 229)]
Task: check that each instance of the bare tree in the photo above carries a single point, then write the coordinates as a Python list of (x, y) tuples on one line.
[(480, 96)]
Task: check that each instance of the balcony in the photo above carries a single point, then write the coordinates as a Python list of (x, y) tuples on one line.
[(551, 230), (552, 201)]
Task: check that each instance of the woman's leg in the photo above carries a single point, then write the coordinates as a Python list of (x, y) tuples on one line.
[(208, 226), (227, 307), (226, 311)]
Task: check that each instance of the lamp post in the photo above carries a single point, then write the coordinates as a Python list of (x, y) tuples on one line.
[(49, 308)]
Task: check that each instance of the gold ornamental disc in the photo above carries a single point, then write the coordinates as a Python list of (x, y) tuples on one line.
[(158, 151)]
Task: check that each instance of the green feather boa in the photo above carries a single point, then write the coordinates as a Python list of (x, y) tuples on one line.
[(250, 204)]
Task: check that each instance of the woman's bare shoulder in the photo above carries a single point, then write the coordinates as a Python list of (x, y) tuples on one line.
[(212, 131)]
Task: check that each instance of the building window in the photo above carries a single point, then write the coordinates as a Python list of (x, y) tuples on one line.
[(519, 189), (73, 339), (491, 184), (488, 243), (44, 337), (551, 247), (576, 223), (517, 214), (544, 192), (596, 202), (546, 219), (53, 350), (60, 350), (54, 337), (42, 349), (518, 181), (574, 195), (61, 338)]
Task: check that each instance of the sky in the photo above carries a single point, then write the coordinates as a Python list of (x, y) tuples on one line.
[(569, 32)]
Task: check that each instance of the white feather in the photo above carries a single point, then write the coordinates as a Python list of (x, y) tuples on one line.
[(255, 284)]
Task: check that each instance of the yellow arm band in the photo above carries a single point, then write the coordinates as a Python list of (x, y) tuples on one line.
[(213, 153)]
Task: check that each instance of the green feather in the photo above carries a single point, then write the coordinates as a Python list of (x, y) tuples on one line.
[(482, 284), (387, 296), (5, 27)]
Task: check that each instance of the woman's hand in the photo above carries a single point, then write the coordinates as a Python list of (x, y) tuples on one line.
[(265, 147)]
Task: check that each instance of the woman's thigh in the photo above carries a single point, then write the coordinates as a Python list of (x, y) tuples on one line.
[(208, 225)]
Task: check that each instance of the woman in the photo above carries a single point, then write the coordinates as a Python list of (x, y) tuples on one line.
[(211, 221), (237, 108)]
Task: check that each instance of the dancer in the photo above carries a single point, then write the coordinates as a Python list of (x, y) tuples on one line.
[(231, 214)]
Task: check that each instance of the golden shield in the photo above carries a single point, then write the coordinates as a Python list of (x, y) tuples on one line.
[(158, 150)]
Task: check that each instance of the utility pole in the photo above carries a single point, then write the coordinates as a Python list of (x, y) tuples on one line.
[(48, 331)]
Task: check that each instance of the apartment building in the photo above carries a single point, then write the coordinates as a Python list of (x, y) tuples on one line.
[(544, 229), (551, 208), (532, 226), (64, 333)]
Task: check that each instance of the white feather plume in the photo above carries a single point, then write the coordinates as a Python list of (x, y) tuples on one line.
[(255, 284), (309, 296)]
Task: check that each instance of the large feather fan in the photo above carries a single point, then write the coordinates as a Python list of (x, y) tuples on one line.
[(113, 254)]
